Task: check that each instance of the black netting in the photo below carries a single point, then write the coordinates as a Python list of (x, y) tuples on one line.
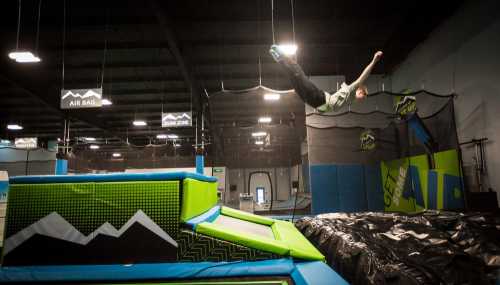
[(336, 137), (234, 116)]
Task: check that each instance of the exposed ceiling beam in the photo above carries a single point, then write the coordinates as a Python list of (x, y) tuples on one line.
[(173, 45)]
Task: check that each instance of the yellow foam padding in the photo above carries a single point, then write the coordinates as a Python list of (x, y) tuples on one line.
[(245, 239), (299, 246), (197, 198), (246, 216)]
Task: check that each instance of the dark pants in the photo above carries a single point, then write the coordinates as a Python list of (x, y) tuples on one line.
[(309, 93)]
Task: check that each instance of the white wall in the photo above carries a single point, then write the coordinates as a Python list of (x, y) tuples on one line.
[(281, 178), (463, 55), (40, 161)]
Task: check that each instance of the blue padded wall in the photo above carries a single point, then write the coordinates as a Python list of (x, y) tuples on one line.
[(432, 182), (325, 194), (346, 188), (415, 186), (453, 196), (373, 187), (351, 188)]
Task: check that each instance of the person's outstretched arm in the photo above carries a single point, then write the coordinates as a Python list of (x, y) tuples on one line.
[(366, 72)]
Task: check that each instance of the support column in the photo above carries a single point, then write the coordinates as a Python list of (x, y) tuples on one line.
[(200, 160)]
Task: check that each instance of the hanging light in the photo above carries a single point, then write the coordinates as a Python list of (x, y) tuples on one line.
[(259, 134), (172, 136), (94, 146), (259, 142), (89, 139), (177, 145), (25, 56), (161, 136), (272, 96), (288, 49), (106, 102), (117, 154), (139, 123), (265, 119), (14, 127)]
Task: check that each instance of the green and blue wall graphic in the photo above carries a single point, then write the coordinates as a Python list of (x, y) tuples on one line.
[(409, 185)]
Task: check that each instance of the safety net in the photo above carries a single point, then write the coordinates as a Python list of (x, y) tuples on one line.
[(259, 135), (390, 151)]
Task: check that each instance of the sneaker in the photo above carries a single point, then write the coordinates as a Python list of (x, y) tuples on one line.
[(276, 53)]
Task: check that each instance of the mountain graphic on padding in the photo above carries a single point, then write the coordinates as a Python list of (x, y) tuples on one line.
[(55, 226), (88, 94), (172, 117)]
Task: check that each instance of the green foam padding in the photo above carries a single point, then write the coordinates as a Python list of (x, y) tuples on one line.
[(245, 239), (288, 240), (197, 198), (246, 216), (449, 161), (87, 206), (299, 246)]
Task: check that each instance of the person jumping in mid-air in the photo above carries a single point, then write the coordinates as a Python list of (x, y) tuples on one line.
[(312, 95)]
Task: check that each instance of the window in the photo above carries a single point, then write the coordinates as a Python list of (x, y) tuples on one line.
[(260, 194)]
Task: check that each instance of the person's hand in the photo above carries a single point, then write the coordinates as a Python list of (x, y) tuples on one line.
[(377, 56)]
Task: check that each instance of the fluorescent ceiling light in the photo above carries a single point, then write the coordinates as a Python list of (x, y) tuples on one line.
[(172, 136), (139, 123), (106, 102), (117, 154), (288, 49), (259, 142), (90, 139), (177, 145), (14, 127), (161, 136), (259, 134), (94, 146), (272, 96), (265, 119), (24, 57)]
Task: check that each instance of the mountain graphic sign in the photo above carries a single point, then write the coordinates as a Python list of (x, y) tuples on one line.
[(81, 98), (178, 119)]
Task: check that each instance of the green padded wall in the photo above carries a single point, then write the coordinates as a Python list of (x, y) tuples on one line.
[(197, 198), (87, 207)]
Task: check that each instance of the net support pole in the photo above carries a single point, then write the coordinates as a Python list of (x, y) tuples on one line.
[(200, 149), (61, 167)]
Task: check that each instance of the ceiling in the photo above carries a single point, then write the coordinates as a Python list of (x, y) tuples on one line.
[(166, 54)]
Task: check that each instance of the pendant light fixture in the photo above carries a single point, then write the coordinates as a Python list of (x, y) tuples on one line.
[(26, 56)]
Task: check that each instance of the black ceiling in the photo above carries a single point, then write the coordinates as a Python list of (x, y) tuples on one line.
[(166, 53)]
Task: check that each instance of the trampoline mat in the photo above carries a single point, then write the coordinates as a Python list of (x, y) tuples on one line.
[(244, 226)]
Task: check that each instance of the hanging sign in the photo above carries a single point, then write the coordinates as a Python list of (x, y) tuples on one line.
[(26, 143), (178, 119), (81, 98)]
